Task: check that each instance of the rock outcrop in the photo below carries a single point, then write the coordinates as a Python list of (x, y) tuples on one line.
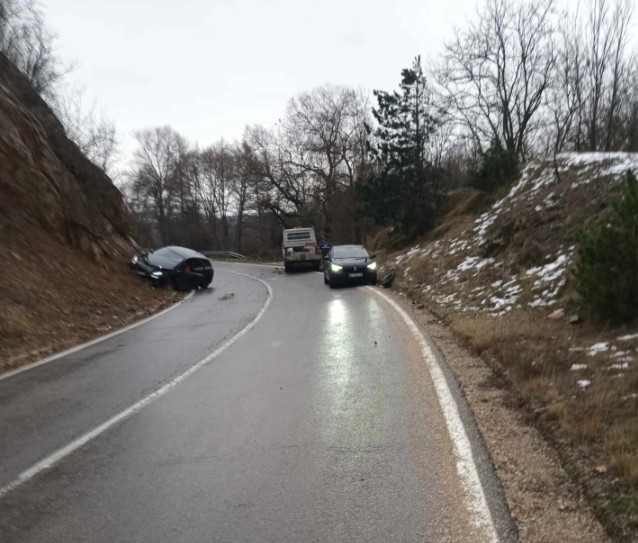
[(45, 179), (64, 236)]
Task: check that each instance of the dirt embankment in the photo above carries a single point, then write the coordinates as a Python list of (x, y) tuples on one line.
[(64, 236), (500, 276)]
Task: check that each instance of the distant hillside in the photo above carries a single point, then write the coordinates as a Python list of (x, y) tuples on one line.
[(64, 235), (501, 276)]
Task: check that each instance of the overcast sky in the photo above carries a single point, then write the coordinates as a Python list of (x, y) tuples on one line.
[(209, 67)]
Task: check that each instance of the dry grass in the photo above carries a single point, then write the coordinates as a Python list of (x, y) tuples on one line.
[(53, 296), (595, 426), (599, 423)]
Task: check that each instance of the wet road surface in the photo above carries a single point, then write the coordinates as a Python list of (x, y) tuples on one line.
[(320, 424)]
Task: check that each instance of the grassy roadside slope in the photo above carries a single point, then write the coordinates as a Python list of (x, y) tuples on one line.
[(501, 276)]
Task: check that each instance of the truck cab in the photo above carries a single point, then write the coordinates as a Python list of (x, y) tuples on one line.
[(299, 246)]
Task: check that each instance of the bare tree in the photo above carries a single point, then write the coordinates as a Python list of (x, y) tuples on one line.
[(629, 109), (325, 132), (494, 74), (279, 187), (594, 76), (356, 156), (153, 165), (620, 28), (180, 178), (564, 97), (599, 45), (241, 185), (205, 183), (93, 131), (28, 43), (223, 165)]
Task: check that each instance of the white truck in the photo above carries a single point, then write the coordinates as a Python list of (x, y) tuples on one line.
[(299, 245)]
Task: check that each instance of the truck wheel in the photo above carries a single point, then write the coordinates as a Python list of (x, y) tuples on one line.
[(287, 267)]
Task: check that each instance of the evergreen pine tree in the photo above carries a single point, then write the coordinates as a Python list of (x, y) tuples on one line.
[(499, 167), (607, 268), (402, 194)]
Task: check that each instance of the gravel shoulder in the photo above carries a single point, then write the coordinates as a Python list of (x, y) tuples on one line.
[(545, 504)]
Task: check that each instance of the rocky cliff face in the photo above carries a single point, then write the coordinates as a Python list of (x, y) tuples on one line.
[(46, 181), (64, 236)]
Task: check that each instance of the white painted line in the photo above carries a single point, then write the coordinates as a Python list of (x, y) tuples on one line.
[(476, 502), (51, 460), (72, 350)]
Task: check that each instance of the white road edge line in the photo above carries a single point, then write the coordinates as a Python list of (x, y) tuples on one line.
[(54, 458), (91, 342), (476, 502)]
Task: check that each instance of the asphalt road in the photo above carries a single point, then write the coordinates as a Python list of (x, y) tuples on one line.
[(321, 423)]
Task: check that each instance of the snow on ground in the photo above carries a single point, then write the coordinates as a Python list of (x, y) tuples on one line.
[(596, 165), (482, 225), (628, 160), (598, 348), (507, 301), (453, 263), (549, 272), (474, 262), (545, 276), (578, 367), (583, 383), (623, 366), (621, 354)]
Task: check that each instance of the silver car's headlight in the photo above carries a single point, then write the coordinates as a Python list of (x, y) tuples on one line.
[(156, 274), (135, 259)]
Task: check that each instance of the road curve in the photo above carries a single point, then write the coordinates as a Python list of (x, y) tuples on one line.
[(320, 424)]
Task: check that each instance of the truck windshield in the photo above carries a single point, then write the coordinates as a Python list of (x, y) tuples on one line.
[(294, 236), (350, 252)]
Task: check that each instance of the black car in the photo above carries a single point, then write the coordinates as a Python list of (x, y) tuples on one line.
[(181, 268), (349, 264)]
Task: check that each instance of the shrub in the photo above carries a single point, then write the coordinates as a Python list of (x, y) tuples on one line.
[(499, 167), (607, 269)]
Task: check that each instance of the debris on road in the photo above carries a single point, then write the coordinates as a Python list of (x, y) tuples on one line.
[(388, 281)]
